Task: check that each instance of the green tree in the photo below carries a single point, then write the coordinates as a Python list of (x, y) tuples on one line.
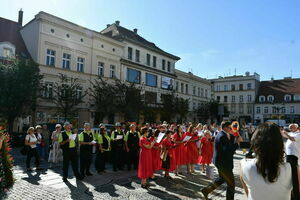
[(20, 84), (68, 94), (114, 98), (173, 105)]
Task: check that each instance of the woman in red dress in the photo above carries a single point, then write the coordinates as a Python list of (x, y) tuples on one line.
[(168, 155), (179, 150), (156, 161), (145, 169), (206, 150), (192, 149)]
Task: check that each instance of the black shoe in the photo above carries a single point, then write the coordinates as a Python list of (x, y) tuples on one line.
[(115, 170), (144, 186), (205, 194), (89, 174), (65, 180), (153, 179), (80, 177)]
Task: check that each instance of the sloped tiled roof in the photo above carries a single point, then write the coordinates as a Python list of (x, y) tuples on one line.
[(121, 33), (279, 88), (10, 32)]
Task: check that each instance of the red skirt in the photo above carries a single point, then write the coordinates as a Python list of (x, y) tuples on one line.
[(192, 153), (172, 161), (156, 161), (145, 169), (180, 155)]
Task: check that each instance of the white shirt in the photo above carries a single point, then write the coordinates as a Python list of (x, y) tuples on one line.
[(293, 147), (39, 137), (32, 139), (261, 189)]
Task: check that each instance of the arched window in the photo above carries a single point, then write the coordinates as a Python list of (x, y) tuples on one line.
[(270, 98), (262, 98), (287, 97)]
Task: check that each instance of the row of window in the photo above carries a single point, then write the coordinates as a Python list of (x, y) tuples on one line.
[(233, 98), (66, 63), (270, 98), (184, 88), (47, 91), (275, 110), (241, 109), (134, 76), (166, 66), (233, 87)]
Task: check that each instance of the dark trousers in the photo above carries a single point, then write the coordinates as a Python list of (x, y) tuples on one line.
[(85, 160), (293, 160), (225, 176), (32, 152), (101, 160), (133, 158), (70, 155), (118, 157)]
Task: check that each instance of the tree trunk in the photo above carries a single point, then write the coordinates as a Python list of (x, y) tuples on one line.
[(10, 127)]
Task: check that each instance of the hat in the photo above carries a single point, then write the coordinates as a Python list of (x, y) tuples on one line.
[(101, 125), (38, 126), (57, 125), (86, 124), (66, 123), (118, 124)]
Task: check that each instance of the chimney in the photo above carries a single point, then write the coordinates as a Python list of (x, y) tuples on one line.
[(117, 22), (20, 20), (135, 30), (107, 25)]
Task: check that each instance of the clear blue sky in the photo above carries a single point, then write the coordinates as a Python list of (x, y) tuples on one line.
[(212, 37)]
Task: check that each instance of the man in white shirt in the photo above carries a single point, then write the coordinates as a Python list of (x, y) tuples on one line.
[(292, 146)]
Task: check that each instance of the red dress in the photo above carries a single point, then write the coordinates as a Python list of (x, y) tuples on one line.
[(145, 169), (192, 149), (167, 143), (179, 150), (206, 151), (156, 161)]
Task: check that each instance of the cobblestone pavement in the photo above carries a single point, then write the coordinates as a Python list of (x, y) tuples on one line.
[(48, 184)]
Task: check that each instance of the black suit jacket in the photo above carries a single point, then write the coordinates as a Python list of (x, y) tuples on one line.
[(224, 150)]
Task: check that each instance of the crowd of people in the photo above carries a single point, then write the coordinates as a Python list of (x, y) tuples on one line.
[(269, 171)]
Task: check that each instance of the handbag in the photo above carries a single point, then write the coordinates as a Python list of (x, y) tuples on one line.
[(25, 149), (295, 192)]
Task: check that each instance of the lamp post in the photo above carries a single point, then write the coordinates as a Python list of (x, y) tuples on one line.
[(278, 108)]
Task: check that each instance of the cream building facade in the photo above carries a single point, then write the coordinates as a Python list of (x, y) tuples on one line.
[(237, 94), (194, 88), (59, 46)]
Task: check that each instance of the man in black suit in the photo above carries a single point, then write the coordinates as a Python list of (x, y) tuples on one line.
[(225, 146)]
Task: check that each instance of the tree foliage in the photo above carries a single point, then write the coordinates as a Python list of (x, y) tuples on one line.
[(68, 94), (173, 105), (19, 88), (109, 99)]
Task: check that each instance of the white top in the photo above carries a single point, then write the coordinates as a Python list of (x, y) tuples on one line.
[(293, 147), (32, 139), (259, 188)]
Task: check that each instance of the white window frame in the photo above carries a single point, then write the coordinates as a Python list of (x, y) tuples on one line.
[(80, 64), (66, 60), (51, 57), (112, 72), (270, 98), (287, 98), (262, 98), (101, 66)]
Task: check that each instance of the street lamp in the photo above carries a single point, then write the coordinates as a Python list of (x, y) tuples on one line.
[(278, 108)]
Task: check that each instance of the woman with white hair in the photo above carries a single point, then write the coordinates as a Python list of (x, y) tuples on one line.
[(55, 155)]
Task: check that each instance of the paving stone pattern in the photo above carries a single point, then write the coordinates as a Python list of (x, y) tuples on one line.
[(48, 184)]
